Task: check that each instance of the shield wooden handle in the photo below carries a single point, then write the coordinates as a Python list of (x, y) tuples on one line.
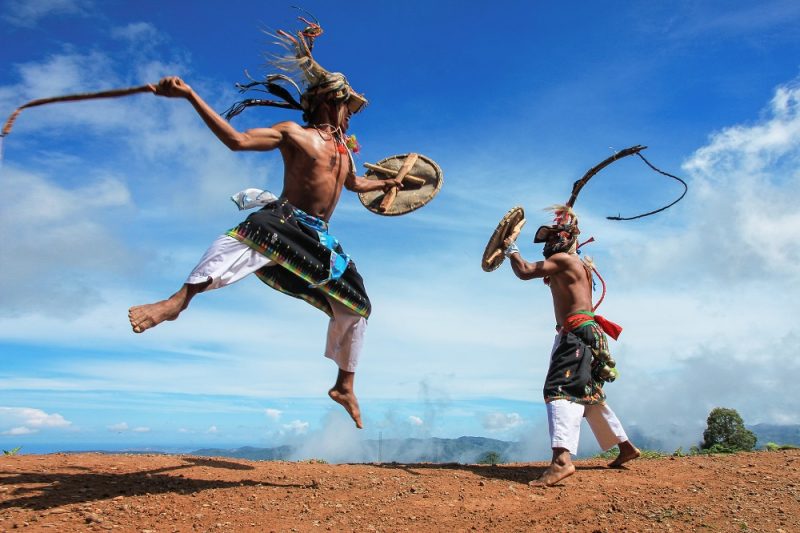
[(391, 172), (388, 198), (513, 236)]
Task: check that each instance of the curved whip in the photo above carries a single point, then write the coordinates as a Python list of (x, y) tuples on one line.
[(114, 93), (685, 190), (578, 185)]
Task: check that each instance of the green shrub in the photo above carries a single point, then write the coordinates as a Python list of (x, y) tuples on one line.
[(490, 458)]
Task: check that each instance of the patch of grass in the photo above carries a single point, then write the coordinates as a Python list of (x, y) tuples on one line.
[(773, 447), (646, 454), (13, 451)]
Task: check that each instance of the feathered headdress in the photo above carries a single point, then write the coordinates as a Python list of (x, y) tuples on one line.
[(299, 68)]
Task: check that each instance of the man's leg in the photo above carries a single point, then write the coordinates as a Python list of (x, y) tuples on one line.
[(345, 338), (226, 261), (608, 431), (564, 420)]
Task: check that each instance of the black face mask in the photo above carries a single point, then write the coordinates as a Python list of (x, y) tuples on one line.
[(562, 244)]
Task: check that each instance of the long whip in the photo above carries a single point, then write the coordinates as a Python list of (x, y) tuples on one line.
[(114, 93)]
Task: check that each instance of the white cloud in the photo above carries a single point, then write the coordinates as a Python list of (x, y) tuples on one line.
[(136, 32), (28, 13), (273, 414), (21, 430), (119, 427), (741, 219), (26, 420), (501, 421), (719, 290), (36, 210), (212, 430), (415, 420), (141, 429), (296, 427)]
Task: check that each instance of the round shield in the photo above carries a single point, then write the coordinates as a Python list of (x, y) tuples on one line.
[(493, 255), (423, 179)]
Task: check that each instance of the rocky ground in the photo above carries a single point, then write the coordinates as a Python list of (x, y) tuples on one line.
[(757, 491)]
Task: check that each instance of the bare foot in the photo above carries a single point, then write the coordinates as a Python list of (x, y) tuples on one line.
[(143, 317), (626, 453), (554, 473), (349, 402)]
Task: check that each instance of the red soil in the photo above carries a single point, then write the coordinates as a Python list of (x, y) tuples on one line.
[(159, 493)]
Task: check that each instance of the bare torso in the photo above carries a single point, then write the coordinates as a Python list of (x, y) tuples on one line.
[(571, 287)]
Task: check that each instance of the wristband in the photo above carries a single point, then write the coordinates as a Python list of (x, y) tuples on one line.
[(512, 249)]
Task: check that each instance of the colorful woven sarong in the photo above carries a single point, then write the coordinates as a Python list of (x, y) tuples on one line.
[(310, 262)]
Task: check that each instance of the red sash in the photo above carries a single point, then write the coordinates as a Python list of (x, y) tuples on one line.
[(576, 320)]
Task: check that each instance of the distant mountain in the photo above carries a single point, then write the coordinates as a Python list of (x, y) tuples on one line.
[(279, 453), (779, 434), (433, 450), (463, 450)]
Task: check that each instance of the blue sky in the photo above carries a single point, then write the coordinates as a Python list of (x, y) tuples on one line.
[(108, 204)]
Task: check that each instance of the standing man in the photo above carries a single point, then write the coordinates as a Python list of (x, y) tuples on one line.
[(580, 361), (286, 243)]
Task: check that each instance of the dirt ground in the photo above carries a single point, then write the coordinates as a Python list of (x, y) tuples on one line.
[(757, 491)]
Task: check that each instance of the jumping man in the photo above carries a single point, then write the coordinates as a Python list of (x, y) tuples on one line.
[(286, 243)]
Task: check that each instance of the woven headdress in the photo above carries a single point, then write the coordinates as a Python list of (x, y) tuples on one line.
[(299, 69)]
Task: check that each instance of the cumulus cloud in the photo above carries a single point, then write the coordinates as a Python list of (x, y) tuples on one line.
[(273, 414), (80, 208), (722, 314), (415, 420), (741, 217), (212, 430), (501, 421), (27, 420), (141, 429)]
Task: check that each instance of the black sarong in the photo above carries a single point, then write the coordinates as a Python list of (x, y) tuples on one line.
[(303, 263), (572, 372)]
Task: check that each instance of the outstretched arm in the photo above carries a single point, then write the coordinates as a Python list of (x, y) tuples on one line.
[(258, 139)]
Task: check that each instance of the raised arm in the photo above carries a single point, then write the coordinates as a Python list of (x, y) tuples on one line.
[(525, 270), (258, 139)]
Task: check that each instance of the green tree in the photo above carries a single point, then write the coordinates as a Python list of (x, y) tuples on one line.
[(490, 458), (725, 431)]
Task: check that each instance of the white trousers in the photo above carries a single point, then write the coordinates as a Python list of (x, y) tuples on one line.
[(228, 260), (564, 420)]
